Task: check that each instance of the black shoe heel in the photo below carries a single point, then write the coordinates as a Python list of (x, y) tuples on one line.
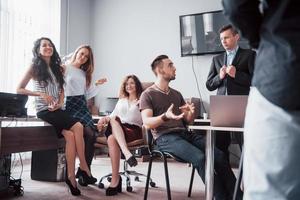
[(132, 162), (78, 173), (74, 190), (85, 179), (119, 187), (111, 191)]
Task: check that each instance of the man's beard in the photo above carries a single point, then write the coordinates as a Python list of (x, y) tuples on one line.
[(172, 78), (169, 79)]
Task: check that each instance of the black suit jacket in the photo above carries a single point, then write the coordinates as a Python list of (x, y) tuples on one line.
[(240, 85)]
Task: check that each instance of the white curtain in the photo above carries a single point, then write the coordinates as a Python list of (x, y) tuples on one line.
[(22, 22)]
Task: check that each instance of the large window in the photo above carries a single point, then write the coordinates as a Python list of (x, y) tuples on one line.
[(22, 22)]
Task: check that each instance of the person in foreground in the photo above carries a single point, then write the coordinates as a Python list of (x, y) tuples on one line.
[(48, 82), (79, 88), (230, 73), (122, 126), (165, 112), (272, 124)]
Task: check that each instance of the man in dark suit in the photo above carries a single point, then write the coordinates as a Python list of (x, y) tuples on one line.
[(230, 73)]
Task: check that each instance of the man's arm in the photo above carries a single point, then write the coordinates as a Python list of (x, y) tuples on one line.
[(245, 15), (244, 78), (213, 79), (151, 122)]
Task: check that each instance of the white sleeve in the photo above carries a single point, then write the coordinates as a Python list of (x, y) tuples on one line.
[(92, 91)]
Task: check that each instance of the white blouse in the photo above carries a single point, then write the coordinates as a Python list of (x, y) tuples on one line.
[(76, 83), (128, 112)]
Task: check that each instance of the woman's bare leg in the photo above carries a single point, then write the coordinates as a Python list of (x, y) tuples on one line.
[(115, 156), (70, 155), (119, 136), (77, 129)]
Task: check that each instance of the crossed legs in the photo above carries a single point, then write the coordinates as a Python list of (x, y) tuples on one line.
[(116, 142), (75, 145)]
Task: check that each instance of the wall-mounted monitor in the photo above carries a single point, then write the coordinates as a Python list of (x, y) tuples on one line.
[(199, 33)]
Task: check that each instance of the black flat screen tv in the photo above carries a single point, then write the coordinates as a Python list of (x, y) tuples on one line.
[(199, 33)]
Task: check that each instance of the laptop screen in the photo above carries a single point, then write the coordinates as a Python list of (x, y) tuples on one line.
[(228, 111), (13, 105)]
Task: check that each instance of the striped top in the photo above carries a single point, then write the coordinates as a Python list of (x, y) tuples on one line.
[(52, 89)]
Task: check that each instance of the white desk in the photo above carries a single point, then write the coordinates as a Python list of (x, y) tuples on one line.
[(202, 120), (209, 153)]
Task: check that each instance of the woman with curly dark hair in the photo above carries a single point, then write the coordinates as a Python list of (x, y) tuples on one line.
[(123, 125), (47, 76)]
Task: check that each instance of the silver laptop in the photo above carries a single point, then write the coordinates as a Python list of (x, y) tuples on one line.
[(228, 111)]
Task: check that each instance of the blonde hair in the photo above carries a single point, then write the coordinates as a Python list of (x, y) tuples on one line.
[(88, 66)]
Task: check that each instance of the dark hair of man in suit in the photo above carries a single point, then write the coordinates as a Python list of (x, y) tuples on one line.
[(227, 27)]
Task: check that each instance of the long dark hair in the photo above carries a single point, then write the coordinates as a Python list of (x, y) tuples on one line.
[(39, 65), (138, 87)]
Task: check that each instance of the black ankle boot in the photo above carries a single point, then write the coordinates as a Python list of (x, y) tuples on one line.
[(111, 191), (85, 179), (74, 190)]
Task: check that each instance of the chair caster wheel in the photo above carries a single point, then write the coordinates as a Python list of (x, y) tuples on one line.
[(152, 184), (129, 189), (108, 179), (136, 178), (100, 185)]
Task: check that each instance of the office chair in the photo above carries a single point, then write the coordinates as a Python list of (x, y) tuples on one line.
[(137, 147), (164, 156)]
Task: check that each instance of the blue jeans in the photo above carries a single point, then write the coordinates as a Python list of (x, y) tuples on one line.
[(190, 147)]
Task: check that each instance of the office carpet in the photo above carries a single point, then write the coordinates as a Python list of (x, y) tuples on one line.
[(179, 174)]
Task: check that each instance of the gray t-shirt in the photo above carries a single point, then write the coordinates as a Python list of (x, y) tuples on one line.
[(159, 102)]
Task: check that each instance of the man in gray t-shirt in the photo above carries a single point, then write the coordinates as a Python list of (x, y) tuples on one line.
[(165, 112)]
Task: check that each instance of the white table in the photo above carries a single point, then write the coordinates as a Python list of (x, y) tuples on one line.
[(209, 153)]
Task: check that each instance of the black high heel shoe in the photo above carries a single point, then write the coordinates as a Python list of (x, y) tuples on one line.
[(79, 173), (84, 178), (74, 190), (132, 162), (111, 191)]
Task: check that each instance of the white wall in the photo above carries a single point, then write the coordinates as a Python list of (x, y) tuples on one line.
[(75, 24), (127, 35)]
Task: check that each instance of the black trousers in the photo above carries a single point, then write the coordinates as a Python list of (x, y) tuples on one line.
[(224, 138)]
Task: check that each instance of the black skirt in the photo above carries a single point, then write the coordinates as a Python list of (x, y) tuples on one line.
[(59, 119)]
